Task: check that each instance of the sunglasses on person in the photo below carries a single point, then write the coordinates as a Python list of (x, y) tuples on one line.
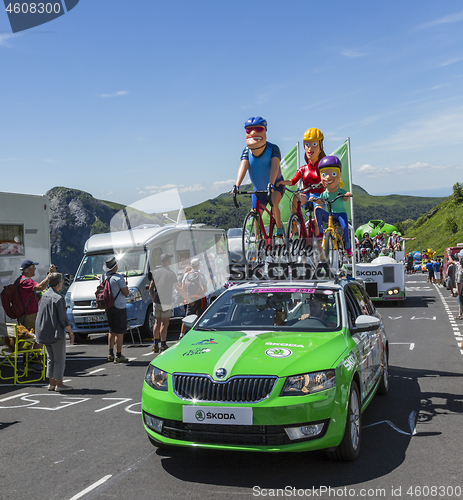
[(256, 129)]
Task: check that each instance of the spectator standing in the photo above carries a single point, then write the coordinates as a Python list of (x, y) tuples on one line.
[(161, 291), (451, 276), (430, 268), (28, 289), (117, 314), (459, 284), (51, 326), (437, 271), (28, 293), (195, 285)]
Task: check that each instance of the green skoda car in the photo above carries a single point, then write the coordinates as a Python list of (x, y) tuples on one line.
[(271, 366)]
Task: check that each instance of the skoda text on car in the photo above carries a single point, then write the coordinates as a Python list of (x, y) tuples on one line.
[(271, 366)]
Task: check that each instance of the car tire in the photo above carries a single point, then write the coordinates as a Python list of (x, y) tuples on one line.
[(383, 387), (349, 448)]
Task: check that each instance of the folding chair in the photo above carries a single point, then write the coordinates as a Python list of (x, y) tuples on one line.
[(21, 346)]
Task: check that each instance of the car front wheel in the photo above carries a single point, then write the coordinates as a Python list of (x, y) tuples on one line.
[(349, 448)]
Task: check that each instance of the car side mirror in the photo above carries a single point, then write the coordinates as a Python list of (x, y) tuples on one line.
[(365, 323), (189, 320)]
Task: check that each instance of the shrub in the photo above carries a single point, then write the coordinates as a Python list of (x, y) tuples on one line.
[(458, 193), (450, 223)]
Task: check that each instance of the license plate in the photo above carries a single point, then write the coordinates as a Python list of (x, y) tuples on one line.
[(224, 415), (94, 319)]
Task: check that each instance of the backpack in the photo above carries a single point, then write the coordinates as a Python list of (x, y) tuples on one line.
[(104, 295), (11, 301), (193, 288)]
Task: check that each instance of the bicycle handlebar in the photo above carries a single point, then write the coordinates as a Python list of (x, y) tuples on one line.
[(303, 190), (268, 192)]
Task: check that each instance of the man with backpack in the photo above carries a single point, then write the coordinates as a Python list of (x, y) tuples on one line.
[(195, 285), (117, 312)]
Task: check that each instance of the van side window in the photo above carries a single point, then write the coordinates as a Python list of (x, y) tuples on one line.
[(155, 258)]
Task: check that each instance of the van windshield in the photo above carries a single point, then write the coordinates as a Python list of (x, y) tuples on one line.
[(129, 263)]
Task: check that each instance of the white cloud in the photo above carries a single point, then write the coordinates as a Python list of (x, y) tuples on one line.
[(451, 18), (443, 129), (50, 160), (352, 53), (115, 94), (371, 172), (451, 61), (4, 37), (220, 185), (196, 187)]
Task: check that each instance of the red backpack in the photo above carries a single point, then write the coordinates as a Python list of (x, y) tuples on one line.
[(104, 295), (11, 301)]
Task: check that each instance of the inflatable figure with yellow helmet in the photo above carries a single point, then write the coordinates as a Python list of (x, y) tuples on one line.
[(313, 146)]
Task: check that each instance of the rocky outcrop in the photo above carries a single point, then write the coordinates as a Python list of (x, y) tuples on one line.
[(74, 216)]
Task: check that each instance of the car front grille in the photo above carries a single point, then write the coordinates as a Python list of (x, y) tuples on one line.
[(235, 390)]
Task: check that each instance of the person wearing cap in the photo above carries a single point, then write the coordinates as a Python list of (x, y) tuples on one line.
[(195, 285), (459, 282), (117, 314), (28, 290), (262, 160), (161, 291)]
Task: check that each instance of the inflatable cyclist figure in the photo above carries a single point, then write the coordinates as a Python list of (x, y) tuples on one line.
[(330, 173), (262, 160)]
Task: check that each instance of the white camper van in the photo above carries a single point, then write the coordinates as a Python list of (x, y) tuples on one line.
[(24, 234), (138, 252)]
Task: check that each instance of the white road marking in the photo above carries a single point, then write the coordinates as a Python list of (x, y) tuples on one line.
[(422, 317), (129, 410), (412, 422), (93, 372), (411, 344), (394, 317), (149, 353), (388, 422), (13, 397), (91, 487), (121, 401)]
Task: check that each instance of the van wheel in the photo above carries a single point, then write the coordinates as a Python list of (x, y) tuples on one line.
[(80, 337), (148, 325)]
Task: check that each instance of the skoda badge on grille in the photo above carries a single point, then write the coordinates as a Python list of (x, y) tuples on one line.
[(93, 304), (220, 373)]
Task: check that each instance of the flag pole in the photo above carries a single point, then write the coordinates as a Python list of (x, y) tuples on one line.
[(352, 230)]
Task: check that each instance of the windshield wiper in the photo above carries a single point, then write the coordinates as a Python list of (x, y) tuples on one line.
[(206, 329)]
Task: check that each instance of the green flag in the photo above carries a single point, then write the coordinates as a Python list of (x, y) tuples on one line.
[(343, 154)]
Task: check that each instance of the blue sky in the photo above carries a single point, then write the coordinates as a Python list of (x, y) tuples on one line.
[(125, 99)]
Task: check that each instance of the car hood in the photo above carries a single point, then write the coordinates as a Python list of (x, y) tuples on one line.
[(253, 353)]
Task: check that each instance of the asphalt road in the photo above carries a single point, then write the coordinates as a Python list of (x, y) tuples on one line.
[(91, 444)]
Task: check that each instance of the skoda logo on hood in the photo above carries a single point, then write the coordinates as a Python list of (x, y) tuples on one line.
[(220, 373)]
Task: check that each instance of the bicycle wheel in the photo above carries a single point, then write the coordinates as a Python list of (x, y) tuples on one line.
[(331, 255), (251, 238), (293, 229)]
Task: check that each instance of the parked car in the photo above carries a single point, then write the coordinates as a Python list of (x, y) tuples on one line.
[(271, 366)]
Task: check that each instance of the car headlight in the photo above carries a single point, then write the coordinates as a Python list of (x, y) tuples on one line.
[(68, 301), (134, 295), (156, 378), (309, 383)]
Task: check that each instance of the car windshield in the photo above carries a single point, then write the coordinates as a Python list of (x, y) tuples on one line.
[(235, 232), (274, 309), (129, 263)]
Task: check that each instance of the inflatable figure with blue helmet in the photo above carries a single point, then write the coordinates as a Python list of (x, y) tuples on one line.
[(262, 160)]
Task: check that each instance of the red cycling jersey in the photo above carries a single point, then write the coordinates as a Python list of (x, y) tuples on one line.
[(310, 176)]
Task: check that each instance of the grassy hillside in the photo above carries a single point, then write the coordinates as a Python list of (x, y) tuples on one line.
[(221, 212), (438, 229)]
